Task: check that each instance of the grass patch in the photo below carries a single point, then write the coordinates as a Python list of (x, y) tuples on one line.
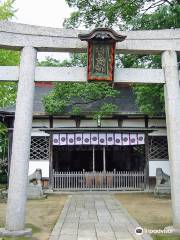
[(34, 228), (150, 212), (41, 215), (165, 237), (17, 238)]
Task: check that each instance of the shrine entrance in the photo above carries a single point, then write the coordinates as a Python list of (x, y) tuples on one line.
[(104, 156), (98, 158)]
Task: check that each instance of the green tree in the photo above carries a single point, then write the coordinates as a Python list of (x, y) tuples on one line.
[(131, 15), (150, 98), (7, 90), (76, 60), (7, 58), (119, 13), (73, 97), (7, 10)]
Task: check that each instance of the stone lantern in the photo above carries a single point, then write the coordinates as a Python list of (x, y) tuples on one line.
[(101, 53)]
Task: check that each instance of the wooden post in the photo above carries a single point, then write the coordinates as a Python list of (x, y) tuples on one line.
[(10, 139), (93, 158), (104, 158), (51, 155), (146, 169)]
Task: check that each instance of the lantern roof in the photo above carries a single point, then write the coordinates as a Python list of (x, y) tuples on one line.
[(102, 34)]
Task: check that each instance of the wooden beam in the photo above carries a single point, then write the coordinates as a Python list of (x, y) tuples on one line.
[(10, 139), (146, 168), (79, 74)]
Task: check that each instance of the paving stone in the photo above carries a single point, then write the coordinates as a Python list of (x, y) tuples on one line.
[(96, 217), (70, 225), (88, 221), (106, 234), (92, 211), (86, 233), (123, 235), (69, 228), (69, 231), (131, 238), (68, 237), (84, 226), (118, 228), (72, 220), (86, 238), (107, 238)]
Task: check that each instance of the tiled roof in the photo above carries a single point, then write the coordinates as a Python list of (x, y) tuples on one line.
[(125, 102)]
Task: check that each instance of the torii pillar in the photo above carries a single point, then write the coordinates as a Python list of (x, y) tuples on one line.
[(172, 107), (17, 192)]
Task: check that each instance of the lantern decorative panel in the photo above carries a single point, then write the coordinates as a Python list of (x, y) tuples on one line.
[(101, 53)]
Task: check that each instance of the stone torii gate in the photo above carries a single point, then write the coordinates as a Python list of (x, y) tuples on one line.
[(30, 39)]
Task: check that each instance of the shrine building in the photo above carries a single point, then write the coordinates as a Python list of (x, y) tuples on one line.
[(76, 152)]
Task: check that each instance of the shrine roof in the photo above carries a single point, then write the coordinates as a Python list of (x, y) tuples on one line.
[(125, 101)]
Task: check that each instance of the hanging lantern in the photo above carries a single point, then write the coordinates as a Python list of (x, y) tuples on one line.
[(101, 53)]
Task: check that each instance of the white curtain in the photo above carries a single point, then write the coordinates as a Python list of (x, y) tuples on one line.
[(94, 139), (121, 139), (62, 139)]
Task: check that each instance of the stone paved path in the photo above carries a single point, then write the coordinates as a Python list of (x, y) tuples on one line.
[(95, 217)]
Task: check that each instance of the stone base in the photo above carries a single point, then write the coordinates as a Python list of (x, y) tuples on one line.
[(162, 190), (172, 230), (34, 191), (5, 233)]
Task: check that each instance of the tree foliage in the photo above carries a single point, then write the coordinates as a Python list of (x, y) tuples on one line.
[(150, 98), (71, 98), (119, 13), (7, 10), (131, 15), (7, 58), (76, 60), (7, 90), (164, 17)]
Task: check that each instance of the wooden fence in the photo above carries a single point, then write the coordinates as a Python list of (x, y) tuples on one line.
[(116, 180)]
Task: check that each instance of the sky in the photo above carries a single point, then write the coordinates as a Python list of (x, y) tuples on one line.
[(49, 13)]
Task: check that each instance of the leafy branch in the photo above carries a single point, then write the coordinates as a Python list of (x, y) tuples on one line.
[(73, 98)]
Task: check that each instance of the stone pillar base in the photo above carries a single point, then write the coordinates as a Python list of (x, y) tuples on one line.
[(172, 230), (6, 233)]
